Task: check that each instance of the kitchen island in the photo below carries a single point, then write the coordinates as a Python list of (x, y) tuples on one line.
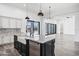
[(29, 46)]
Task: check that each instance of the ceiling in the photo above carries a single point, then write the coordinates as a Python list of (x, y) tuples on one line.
[(56, 8)]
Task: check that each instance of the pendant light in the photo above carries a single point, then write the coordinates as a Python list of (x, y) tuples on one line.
[(49, 12), (27, 13), (27, 17), (40, 13)]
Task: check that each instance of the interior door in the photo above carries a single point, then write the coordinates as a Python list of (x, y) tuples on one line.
[(61, 28)]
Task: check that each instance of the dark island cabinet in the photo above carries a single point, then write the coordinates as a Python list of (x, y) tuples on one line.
[(47, 48), (20, 47), (33, 48)]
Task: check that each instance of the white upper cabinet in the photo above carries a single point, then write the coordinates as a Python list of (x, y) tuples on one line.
[(18, 23), (6, 22), (12, 23), (15, 23)]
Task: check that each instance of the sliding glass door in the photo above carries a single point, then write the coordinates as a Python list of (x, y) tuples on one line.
[(33, 28)]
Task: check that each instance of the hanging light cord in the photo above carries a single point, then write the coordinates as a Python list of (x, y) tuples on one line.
[(27, 12), (27, 9), (40, 6), (40, 12), (49, 12)]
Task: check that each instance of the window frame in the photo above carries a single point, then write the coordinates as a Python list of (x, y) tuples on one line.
[(33, 26), (49, 26)]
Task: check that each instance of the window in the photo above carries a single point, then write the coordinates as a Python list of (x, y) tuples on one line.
[(55, 28), (50, 28), (47, 28), (36, 28), (33, 28)]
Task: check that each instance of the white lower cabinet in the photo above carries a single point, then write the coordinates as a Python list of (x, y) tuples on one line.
[(6, 39), (0, 23), (1, 40), (11, 39)]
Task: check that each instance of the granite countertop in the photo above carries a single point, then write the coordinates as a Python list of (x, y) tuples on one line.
[(37, 39)]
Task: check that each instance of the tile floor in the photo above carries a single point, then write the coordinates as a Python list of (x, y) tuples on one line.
[(8, 50), (64, 46)]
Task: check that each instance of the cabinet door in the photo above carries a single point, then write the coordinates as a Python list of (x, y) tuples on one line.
[(5, 22), (1, 40), (12, 23), (34, 49), (11, 39), (6, 39), (0, 22), (18, 23)]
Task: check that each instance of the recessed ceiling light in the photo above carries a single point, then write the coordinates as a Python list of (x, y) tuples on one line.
[(24, 5), (67, 17)]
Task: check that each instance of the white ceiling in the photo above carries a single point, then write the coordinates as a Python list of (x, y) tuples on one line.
[(56, 8)]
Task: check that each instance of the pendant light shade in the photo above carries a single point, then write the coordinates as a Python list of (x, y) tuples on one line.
[(27, 17), (40, 13)]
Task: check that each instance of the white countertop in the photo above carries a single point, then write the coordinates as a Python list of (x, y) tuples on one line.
[(38, 39)]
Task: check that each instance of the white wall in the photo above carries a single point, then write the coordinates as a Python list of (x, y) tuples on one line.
[(77, 24), (59, 26), (9, 11), (77, 27), (67, 23)]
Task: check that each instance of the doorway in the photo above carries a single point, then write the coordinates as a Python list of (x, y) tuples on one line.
[(61, 28)]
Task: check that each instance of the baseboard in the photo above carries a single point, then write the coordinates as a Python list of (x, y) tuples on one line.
[(6, 44)]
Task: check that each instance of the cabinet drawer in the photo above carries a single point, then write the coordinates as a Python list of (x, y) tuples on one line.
[(34, 49)]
